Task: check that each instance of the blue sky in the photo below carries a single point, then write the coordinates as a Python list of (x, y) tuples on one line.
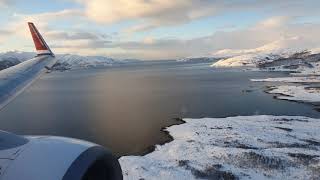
[(159, 29)]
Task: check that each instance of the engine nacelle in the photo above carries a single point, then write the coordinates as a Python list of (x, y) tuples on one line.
[(54, 158)]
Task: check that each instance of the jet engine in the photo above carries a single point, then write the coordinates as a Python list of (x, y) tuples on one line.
[(55, 158)]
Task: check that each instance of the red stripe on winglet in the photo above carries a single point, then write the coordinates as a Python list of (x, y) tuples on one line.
[(40, 45)]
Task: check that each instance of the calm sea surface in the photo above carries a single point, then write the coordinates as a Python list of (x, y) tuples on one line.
[(124, 108)]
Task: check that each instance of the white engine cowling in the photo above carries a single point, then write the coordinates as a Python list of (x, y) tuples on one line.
[(54, 158)]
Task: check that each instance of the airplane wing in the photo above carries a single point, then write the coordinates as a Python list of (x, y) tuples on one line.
[(47, 157), (17, 78)]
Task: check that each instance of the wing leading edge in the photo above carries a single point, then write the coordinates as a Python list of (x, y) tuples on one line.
[(15, 79)]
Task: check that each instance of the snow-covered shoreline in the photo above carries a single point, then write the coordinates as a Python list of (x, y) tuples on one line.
[(301, 89), (252, 147), (297, 93), (292, 79)]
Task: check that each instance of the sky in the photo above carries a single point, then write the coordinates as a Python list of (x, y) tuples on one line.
[(161, 29)]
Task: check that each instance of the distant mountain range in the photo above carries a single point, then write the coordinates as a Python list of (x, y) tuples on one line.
[(71, 61), (263, 60), (65, 61)]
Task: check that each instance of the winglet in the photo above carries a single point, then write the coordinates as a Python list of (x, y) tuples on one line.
[(40, 44)]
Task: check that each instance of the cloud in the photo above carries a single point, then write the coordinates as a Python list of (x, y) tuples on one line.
[(63, 35), (4, 3), (77, 40), (4, 34), (140, 28), (107, 11), (18, 23), (71, 38), (275, 22), (272, 34), (150, 14), (51, 16), (278, 46), (81, 44), (144, 15), (276, 34)]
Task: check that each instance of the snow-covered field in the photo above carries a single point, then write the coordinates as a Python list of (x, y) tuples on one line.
[(253, 147)]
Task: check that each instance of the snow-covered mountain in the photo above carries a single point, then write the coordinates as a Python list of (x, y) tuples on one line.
[(303, 62), (64, 61), (69, 61), (280, 49)]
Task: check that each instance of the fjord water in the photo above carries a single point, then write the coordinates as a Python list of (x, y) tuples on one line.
[(124, 108)]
